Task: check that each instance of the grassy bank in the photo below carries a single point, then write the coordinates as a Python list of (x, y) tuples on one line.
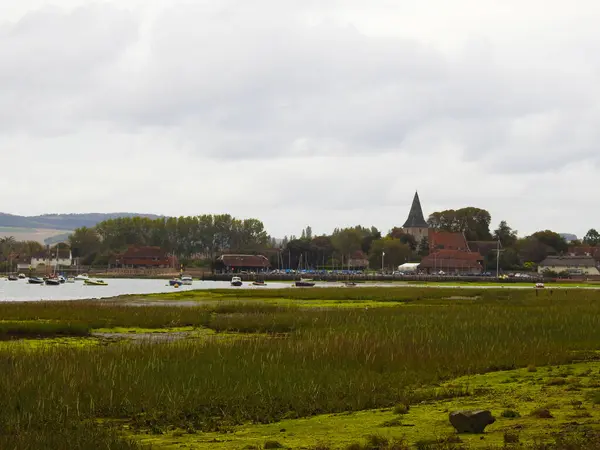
[(301, 363)]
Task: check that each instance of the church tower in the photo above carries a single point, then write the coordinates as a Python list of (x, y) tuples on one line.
[(416, 225)]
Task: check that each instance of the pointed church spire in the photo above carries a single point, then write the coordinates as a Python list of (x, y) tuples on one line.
[(415, 216)]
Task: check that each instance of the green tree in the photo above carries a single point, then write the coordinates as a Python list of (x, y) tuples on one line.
[(592, 237), (396, 253), (423, 249), (398, 233), (473, 222), (531, 249), (553, 240), (347, 241), (506, 235)]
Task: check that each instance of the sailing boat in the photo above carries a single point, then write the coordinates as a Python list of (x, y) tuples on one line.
[(53, 280), (303, 282), (11, 277)]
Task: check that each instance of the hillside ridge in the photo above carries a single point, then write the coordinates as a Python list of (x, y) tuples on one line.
[(67, 221)]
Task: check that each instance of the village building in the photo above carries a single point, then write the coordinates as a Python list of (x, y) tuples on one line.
[(574, 265), (48, 258), (584, 250), (446, 240), (448, 252), (358, 260), (144, 257), (416, 225), (242, 263), (452, 262)]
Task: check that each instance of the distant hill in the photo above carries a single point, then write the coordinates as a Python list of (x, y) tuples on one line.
[(63, 221), (568, 237)]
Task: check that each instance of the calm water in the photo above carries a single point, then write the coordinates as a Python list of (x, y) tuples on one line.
[(22, 291)]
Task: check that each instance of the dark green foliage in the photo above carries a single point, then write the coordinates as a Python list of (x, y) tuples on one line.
[(401, 409), (510, 414), (542, 413), (31, 329), (594, 396), (392, 423), (272, 444)]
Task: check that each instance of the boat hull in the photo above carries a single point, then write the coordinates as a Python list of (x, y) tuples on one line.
[(95, 283), (304, 284), (236, 283), (35, 281), (52, 282)]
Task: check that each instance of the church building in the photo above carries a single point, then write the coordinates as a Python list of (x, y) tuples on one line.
[(449, 252), (415, 224)]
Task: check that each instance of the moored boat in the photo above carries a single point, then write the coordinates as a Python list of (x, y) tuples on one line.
[(187, 280), (259, 283), (35, 280), (82, 277), (13, 278), (305, 283), (175, 282), (70, 280), (52, 281), (95, 282), (22, 276), (236, 281)]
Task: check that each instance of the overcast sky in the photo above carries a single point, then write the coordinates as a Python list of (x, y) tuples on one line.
[(303, 112)]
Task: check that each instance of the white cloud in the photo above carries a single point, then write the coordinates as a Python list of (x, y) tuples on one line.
[(325, 113)]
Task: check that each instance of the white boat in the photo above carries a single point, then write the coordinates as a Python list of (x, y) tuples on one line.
[(70, 280), (82, 277), (22, 276), (236, 281), (187, 280)]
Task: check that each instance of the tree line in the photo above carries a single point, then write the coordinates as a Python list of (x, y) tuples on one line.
[(204, 237)]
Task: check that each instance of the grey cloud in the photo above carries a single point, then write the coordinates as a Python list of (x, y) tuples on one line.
[(50, 60)]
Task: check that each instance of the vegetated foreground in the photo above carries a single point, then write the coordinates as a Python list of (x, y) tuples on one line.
[(250, 362)]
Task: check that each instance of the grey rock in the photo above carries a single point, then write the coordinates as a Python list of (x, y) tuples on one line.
[(471, 421)]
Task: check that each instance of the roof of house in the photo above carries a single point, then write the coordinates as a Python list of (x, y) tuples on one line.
[(582, 250), (415, 216), (51, 254), (442, 255), (572, 261), (244, 260), (447, 240), (483, 247), (144, 252), (428, 263)]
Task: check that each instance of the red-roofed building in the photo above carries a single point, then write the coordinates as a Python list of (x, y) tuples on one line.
[(136, 256), (358, 260), (238, 263), (582, 250), (445, 240), (452, 261)]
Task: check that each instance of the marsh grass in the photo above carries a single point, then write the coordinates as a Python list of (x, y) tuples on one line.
[(331, 360), (41, 329)]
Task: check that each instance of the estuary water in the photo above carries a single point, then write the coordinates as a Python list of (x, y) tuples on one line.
[(21, 290)]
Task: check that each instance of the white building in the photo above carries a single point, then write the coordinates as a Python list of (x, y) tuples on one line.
[(50, 259), (574, 265)]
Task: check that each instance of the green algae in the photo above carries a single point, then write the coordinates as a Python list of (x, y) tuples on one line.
[(522, 391)]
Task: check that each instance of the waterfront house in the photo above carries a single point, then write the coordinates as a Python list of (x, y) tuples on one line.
[(50, 258), (241, 263), (144, 256), (574, 265), (452, 262)]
